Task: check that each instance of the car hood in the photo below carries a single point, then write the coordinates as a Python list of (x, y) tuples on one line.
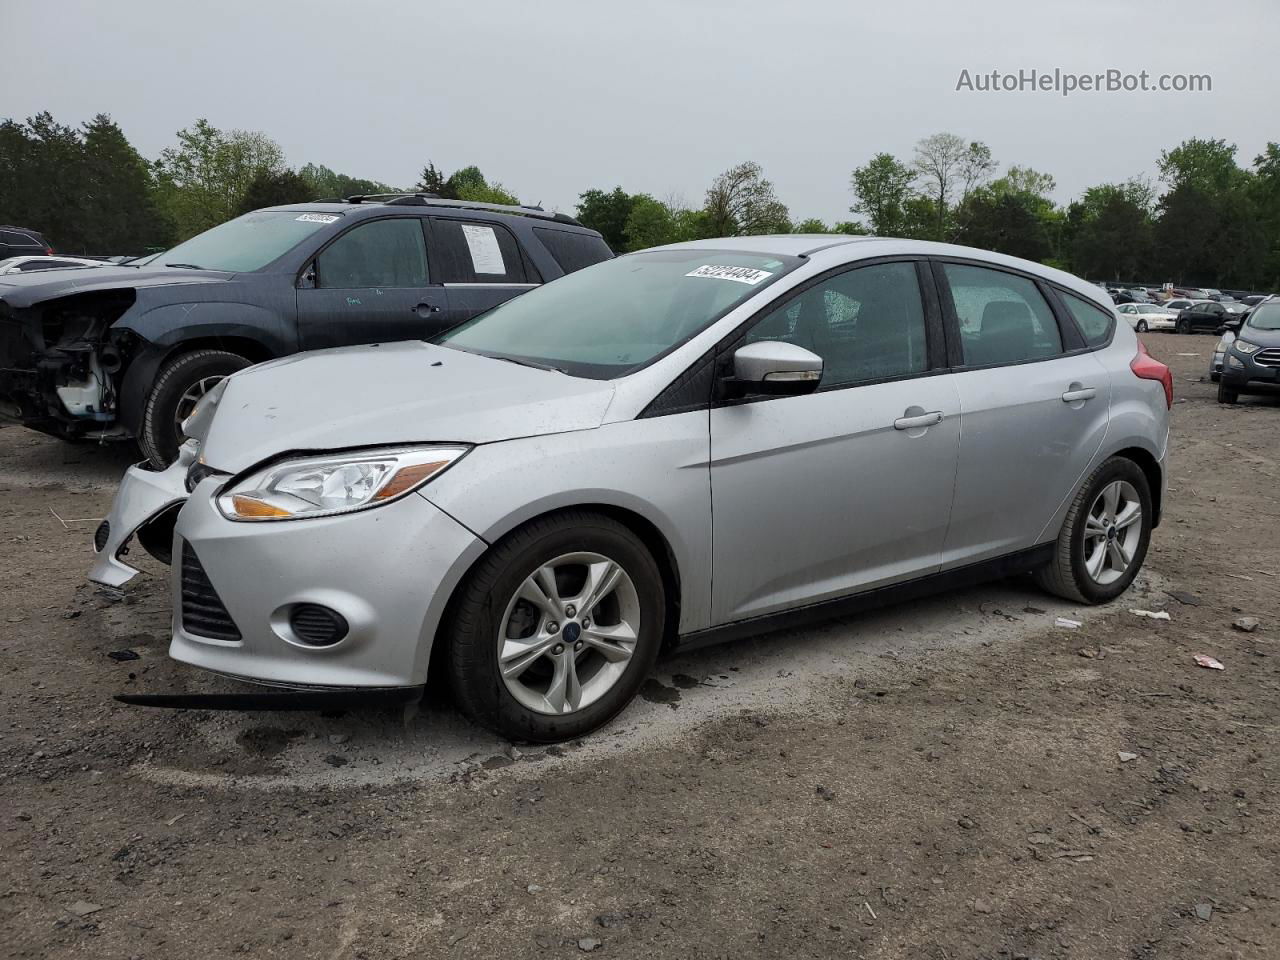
[(25, 289), (392, 393)]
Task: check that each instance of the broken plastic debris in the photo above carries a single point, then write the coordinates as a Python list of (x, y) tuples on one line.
[(1211, 663), (1069, 624), (1151, 614)]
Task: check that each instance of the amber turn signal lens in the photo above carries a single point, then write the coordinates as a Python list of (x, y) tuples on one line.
[(408, 478), (256, 509)]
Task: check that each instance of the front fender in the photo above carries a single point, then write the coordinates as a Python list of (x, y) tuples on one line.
[(157, 333)]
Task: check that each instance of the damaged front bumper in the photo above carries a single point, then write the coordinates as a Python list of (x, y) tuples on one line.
[(146, 506)]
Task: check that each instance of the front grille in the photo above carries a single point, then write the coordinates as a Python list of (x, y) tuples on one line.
[(316, 625), (202, 611), (1268, 358), (100, 536)]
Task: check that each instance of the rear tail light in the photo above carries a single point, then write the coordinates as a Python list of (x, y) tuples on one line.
[(48, 251), (1147, 367)]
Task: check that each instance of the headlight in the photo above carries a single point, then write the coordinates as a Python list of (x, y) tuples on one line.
[(337, 483), (1245, 347)]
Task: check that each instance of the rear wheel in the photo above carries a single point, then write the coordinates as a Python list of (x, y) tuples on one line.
[(1226, 394), (556, 628), (181, 382), (1142, 326), (1105, 536)]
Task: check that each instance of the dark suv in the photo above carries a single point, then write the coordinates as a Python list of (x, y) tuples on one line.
[(115, 352), (1252, 357), (21, 242)]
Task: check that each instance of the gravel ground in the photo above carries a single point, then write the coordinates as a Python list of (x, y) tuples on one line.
[(948, 779)]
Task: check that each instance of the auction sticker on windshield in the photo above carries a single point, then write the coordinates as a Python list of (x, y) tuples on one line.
[(738, 274), (317, 218)]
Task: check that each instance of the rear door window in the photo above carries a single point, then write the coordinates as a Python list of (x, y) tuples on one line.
[(473, 252), (1003, 317), (573, 251), (382, 253), (1094, 322)]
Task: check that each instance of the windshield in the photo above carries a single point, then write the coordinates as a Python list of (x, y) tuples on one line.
[(245, 243), (620, 315), (1265, 316)]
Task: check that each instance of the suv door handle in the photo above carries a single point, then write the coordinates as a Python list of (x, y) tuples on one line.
[(1079, 393), (425, 308), (915, 423)]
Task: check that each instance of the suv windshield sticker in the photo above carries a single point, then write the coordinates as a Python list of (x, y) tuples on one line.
[(317, 218), (486, 255), (738, 274)]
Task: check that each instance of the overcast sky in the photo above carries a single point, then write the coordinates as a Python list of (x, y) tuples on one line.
[(552, 97)]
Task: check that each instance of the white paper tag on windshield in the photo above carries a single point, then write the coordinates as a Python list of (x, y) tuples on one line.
[(317, 218), (486, 255), (738, 274)]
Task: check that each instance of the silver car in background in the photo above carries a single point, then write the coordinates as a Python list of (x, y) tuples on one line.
[(678, 446)]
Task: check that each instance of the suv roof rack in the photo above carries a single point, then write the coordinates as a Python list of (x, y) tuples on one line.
[(434, 200)]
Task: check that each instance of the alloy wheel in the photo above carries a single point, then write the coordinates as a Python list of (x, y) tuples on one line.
[(568, 634), (190, 397), (1112, 532)]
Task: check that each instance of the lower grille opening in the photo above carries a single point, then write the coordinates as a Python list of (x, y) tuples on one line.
[(202, 611)]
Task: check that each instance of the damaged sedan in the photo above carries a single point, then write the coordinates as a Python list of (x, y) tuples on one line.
[(525, 506), (125, 352)]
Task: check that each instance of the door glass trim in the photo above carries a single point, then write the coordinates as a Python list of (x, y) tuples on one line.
[(310, 262)]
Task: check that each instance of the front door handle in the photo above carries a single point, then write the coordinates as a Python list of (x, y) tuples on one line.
[(915, 423), (423, 309), (1077, 393)]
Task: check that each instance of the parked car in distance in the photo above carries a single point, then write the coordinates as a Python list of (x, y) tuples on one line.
[(1178, 304), (1147, 316), (31, 264), (22, 242), (1252, 356), (127, 352), (1253, 299), (525, 504), (1202, 317)]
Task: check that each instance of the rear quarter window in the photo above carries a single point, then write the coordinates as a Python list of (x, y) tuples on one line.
[(474, 252), (573, 251), (1094, 322)]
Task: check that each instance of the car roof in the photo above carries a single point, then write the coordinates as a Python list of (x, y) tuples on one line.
[(364, 205)]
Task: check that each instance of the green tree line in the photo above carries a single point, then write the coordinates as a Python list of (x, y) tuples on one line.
[(1207, 221)]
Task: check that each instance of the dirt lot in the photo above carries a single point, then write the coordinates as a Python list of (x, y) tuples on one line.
[(946, 780)]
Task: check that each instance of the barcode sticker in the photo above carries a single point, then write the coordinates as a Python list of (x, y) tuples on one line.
[(748, 275)]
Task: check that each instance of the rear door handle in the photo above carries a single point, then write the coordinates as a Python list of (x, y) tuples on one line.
[(423, 309), (1080, 393), (915, 423)]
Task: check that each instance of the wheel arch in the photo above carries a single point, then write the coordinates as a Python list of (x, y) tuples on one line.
[(644, 529), (1152, 470)]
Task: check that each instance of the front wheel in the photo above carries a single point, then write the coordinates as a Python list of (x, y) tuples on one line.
[(1182, 326), (556, 629), (1226, 394), (1105, 536), (181, 382), (1142, 326)]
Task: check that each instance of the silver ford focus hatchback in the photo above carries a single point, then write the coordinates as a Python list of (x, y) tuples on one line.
[(673, 447)]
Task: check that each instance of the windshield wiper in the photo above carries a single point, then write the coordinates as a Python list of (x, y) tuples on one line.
[(185, 266), (525, 363)]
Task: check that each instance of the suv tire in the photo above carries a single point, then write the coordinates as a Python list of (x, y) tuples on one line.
[(1075, 572), (1225, 394), (492, 607), (180, 382)]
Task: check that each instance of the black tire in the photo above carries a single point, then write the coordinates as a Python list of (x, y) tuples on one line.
[(1215, 377), (160, 436), (1182, 326), (1142, 326), (1066, 575), (478, 610), (1225, 394)]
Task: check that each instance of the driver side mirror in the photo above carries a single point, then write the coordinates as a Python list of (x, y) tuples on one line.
[(774, 368)]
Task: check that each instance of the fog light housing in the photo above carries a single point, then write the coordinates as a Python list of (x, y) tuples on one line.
[(1235, 363), (316, 625)]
